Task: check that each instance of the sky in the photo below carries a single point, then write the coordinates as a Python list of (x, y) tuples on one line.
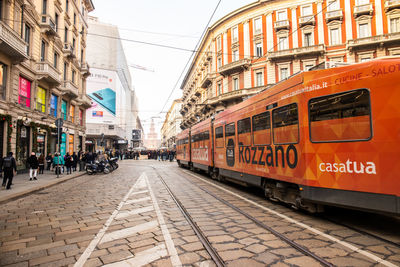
[(177, 23)]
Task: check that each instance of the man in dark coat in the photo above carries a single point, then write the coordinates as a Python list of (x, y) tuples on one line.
[(33, 166), (9, 167)]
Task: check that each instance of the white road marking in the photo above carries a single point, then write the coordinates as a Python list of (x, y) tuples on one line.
[(138, 200), (86, 254), (122, 215), (139, 192), (167, 237), (143, 257), (123, 233), (334, 239)]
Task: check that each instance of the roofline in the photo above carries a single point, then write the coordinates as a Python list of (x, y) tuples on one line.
[(211, 29)]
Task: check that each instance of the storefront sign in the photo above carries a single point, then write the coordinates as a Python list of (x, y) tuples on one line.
[(40, 138), (98, 114), (89, 142), (23, 132), (122, 142), (53, 105)]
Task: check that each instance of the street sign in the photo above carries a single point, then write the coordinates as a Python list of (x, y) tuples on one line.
[(59, 123)]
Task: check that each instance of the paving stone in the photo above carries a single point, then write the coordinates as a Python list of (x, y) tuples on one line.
[(256, 248), (46, 259), (227, 246), (244, 262), (193, 246), (248, 241), (303, 261), (267, 258), (62, 262), (329, 252), (220, 239), (235, 254), (346, 261), (42, 247), (287, 252), (93, 263)]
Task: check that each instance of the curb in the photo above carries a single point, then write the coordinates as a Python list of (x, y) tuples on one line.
[(18, 195)]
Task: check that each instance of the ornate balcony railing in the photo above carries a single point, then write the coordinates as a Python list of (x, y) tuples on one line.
[(236, 66), (69, 88), (307, 20), (69, 50), (297, 52), (366, 9), (392, 4), (334, 15), (47, 25), (281, 24), (47, 72), (207, 80), (12, 44), (374, 40)]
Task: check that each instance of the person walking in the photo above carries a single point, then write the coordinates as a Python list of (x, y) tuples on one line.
[(41, 163), (49, 160), (9, 167), (74, 161), (68, 162), (58, 160), (33, 166)]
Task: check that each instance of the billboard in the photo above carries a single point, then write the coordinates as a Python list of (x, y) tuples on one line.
[(24, 92), (136, 135), (101, 88)]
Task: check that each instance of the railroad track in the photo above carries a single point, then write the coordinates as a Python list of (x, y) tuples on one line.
[(206, 243)]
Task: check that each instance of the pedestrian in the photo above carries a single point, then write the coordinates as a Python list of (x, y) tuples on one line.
[(58, 162), (82, 161), (74, 161), (9, 167), (41, 163), (49, 160), (68, 162), (33, 166)]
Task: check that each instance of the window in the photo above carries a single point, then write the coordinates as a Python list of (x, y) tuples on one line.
[(64, 110), (53, 105), (262, 129), (306, 11), (41, 100), (219, 62), (3, 80), (362, 2), (257, 26), (43, 51), (341, 117), (56, 21), (283, 43), (363, 59), (259, 49), (219, 89), (307, 67), (307, 39), (284, 73), (285, 122), (28, 38), (66, 5), (395, 25), (24, 92), (1, 10), (259, 78), (219, 137), (335, 36), (73, 76), (65, 34), (65, 71), (219, 43), (363, 30), (244, 130), (235, 56), (55, 63), (282, 15), (72, 113), (73, 43), (44, 7), (333, 5), (235, 83), (229, 131), (80, 117), (235, 35), (74, 18)]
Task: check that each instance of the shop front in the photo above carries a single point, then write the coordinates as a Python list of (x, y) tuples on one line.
[(71, 144), (89, 145), (41, 141), (23, 144)]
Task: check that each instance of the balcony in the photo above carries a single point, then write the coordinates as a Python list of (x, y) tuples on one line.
[(84, 101), (334, 15), (281, 25), (48, 73), (307, 20), (373, 41), (207, 80), (68, 88), (235, 95), (366, 9), (69, 50), (236, 66), (392, 4), (47, 25), (11, 44), (313, 50), (84, 66)]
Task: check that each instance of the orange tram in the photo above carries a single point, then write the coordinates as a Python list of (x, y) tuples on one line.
[(321, 137)]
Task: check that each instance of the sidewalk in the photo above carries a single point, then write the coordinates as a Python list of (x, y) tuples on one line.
[(22, 186)]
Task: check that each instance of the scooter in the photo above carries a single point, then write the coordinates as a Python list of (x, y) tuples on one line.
[(113, 163), (98, 167)]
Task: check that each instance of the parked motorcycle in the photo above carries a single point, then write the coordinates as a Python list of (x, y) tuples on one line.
[(113, 163), (98, 167)]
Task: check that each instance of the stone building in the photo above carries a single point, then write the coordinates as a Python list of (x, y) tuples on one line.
[(171, 125), (43, 71), (262, 43)]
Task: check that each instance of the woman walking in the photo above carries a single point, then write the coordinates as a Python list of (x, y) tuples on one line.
[(41, 163), (33, 166)]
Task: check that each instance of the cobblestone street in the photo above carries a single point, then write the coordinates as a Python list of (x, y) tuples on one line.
[(130, 218)]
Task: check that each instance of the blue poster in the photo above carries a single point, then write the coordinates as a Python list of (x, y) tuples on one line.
[(105, 98), (63, 148), (53, 105), (64, 109)]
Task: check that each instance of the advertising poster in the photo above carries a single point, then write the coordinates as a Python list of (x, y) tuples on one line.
[(71, 144), (24, 92), (63, 146), (64, 109), (72, 113), (101, 88), (53, 105), (41, 100)]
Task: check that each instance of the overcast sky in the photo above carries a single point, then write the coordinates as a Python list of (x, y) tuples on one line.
[(177, 23)]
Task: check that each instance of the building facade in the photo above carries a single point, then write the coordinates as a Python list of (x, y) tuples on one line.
[(113, 115), (152, 141), (265, 42), (171, 125), (43, 71)]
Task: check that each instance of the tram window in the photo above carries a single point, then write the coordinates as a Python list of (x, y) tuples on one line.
[(206, 135), (285, 121), (244, 129), (230, 131), (341, 117), (262, 129), (219, 137)]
